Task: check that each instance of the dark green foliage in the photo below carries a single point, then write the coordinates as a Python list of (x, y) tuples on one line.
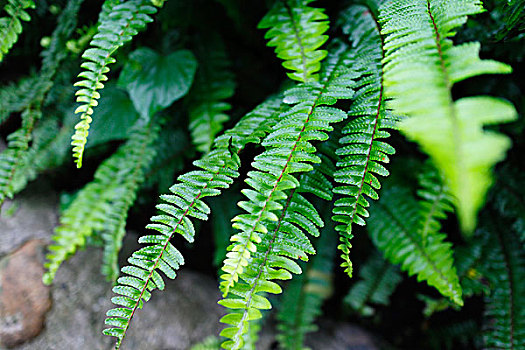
[(504, 322), (378, 281), (213, 84)]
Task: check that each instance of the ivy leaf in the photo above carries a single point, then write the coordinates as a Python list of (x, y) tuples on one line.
[(115, 117), (155, 81)]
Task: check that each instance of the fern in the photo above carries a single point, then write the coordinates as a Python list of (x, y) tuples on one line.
[(361, 150), (504, 319), (18, 96), (218, 169), (421, 65), (304, 296), (11, 26), (394, 227), (213, 84), (103, 204), (118, 23), (288, 151), (379, 280), (296, 31)]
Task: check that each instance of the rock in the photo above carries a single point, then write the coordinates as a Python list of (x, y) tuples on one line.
[(24, 300), (34, 216), (341, 336)]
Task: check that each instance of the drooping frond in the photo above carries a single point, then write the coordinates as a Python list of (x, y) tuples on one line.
[(379, 279), (288, 150), (214, 83), (304, 296), (118, 23), (217, 171), (297, 32), (453, 335), (421, 67), (11, 25), (394, 227), (504, 319), (362, 150), (16, 156), (13, 156), (102, 206)]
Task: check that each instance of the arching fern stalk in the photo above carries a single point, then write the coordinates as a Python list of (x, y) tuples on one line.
[(421, 66), (217, 171), (119, 22), (11, 26), (362, 151)]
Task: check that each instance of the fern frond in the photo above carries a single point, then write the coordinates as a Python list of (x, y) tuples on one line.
[(379, 280), (304, 296), (103, 204), (19, 96), (218, 169), (504, 318), (288, 151), (11, 26), (214, 83), (14, 156), (421, 66), (394, 227), (297, 32), (119, 22), (362, 151)]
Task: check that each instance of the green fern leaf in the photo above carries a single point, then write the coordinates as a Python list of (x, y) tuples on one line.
[(11, 26), (118, 23), (103, 204), (218, 169), (362, 151), (394, 227), (421, 67), (296, 31)]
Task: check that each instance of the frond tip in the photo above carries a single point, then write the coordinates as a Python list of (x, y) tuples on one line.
[(11, 26), (115, 29), (297, 32)]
